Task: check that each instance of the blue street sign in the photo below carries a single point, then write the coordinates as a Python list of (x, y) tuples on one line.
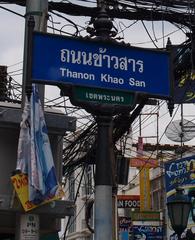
[(90, 63)]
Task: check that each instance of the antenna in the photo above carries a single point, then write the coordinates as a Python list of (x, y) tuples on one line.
[(180, 130)]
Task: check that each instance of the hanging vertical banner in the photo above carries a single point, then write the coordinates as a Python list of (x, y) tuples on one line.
[(41, 171), (145, 199), (144, 175), (36, 183)]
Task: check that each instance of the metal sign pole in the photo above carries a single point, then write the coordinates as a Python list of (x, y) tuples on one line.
[(103, 180), (28, 227), (39, 10), (104, 161)]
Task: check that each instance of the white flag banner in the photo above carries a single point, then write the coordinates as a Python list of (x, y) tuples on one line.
[(34, 152), (24, 148), (42, 178)]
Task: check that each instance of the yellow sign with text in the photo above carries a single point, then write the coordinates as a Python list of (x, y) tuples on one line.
[(145, 200), (20, 183)]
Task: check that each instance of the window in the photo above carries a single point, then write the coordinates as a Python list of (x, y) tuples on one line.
[(157, 194), (87, 188), (156, 200), (72, 224), (71, 188)]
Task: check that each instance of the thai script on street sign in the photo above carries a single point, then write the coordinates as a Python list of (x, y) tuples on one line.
[(103, 96), (62, 60), (100, 59)]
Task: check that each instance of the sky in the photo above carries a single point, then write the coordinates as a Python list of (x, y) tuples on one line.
[(12, 36), (12, 43)]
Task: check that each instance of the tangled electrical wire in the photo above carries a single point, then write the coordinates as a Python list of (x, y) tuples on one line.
[(80, 146), (175, 11)]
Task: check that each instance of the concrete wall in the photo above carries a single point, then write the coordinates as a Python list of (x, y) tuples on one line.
[(10, 118)]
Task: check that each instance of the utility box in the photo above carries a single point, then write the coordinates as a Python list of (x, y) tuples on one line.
[(49, 214)]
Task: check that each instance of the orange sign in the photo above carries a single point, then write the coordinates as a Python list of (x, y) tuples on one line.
[(143, 162)]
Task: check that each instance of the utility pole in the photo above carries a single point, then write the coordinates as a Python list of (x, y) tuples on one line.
[(103, 180), (104, 156), (38, 9), (45, 219)]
